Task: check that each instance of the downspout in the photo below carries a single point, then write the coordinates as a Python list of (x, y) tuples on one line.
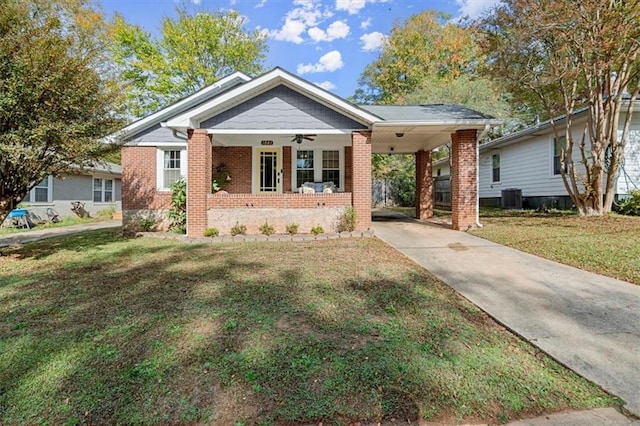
[(480, 136), (176, 133)]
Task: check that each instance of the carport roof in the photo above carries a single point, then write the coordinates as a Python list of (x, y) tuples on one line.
[(436, 112)]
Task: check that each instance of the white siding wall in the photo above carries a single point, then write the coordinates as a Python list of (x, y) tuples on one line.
[(629, 178), (526, 165)]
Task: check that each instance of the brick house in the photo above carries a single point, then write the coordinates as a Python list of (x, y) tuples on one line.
[(289, 152)]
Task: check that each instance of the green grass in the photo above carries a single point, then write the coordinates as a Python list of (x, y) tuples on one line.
[(95, 329), (606, 245), (66, 221)]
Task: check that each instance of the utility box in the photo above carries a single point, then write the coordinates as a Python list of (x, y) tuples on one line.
[(511, 198)]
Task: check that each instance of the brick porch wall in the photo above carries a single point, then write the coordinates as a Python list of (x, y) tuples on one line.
[(348, 169), (424, 185), (199, 155), (279, 201), (464, 176), (361, 172), (139, 185), (237, 161)]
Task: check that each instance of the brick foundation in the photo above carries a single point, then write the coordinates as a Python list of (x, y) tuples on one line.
[(361, 178), (199, 154), (464, 176), (424, 185)]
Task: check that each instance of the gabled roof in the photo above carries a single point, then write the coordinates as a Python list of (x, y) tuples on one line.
[(182, 105), (436, 112), (269, 80)]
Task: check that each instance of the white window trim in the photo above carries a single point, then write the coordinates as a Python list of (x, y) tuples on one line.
[(499, 154), (160, 164), (552, 156), (32, 193), (102, 191), (317, 165)]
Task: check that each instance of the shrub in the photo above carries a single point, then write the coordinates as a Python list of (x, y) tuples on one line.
[(631, 205), (147, 225), (292, 228), (211, 232), (317, 230), (106, 213), (238, 229), (178, 211), (347, 221), (267, 229)]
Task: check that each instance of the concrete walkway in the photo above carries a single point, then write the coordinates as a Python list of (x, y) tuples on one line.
[(40, 234), (588, 322)]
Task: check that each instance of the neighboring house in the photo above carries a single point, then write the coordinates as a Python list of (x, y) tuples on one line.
[(270, 135), (526, 165), (97, 188)]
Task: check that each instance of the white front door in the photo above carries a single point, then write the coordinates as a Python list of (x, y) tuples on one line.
[(268, 170)]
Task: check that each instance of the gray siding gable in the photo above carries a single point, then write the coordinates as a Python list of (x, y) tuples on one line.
[(155, 134), (280, 108)]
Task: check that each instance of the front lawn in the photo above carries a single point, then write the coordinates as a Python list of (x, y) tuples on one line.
[(96, 329), (608, 245)]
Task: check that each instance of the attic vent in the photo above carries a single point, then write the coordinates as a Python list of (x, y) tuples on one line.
[(511, 198)]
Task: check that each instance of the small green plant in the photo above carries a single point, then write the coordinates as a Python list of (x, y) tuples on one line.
[(630, 206), (211, 232), (147, 224), (267, 229), (238, 229), (178, 211), (106, 213), (317, 230), (292, 228), (347, 221)]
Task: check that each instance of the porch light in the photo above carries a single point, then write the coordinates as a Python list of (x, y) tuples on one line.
[(399, 135)]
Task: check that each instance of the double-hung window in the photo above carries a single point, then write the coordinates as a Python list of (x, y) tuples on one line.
[(559, 144), (102, 190), (41, 193), (172, 165), (318, 165), (495, 161)]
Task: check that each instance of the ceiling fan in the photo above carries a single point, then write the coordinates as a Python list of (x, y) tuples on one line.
[(299, 138)]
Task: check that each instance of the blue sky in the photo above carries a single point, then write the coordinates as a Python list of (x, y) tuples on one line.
[(327, 42)]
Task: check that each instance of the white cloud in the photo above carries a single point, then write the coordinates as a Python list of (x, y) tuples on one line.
[(290, 31), (308, 13), (354, 6), (326, 85), (338, 29), (329, 62), (475, 8), (372, 41), (261, 3), (196, 2), (365, 24)]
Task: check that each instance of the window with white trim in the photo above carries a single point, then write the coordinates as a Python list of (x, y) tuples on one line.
[(172, 165), (41, 193), (331, 167), (304, 167), (102, 190), (318, 165), (558, 145), (495, 161)]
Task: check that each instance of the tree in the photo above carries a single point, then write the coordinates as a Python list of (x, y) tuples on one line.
[(561, 56), (425, 46), (54, 105), (192, 52)]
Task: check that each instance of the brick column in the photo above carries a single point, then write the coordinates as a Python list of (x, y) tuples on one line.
[(361, 180), (199, 166), (424, 185), (464, 177)]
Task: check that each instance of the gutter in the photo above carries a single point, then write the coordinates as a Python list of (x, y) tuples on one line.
[(480, 136)]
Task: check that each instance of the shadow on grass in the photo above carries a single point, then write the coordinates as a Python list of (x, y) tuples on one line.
[(106, 330)]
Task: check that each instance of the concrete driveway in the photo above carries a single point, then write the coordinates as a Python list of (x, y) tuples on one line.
[(587, 322)]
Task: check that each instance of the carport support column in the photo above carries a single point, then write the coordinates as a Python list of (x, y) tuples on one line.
[(464, 178), (361, 169), (424, 185), (199, 152)]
